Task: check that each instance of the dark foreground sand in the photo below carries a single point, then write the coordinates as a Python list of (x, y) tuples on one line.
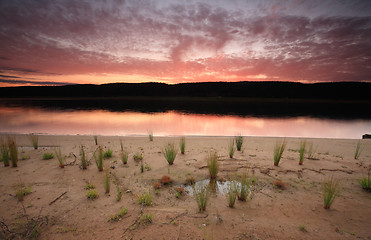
[(293, 213)]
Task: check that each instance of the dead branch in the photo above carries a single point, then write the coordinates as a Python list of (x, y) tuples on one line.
[(57, 198), (178, 216), (136, 221)]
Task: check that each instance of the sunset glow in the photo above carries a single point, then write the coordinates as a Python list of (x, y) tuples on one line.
[(63, 42)]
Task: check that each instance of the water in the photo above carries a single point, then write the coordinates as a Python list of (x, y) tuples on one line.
[(220, 187), (46, 118)]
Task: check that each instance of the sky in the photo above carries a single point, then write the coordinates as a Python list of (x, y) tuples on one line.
[(60, 42)]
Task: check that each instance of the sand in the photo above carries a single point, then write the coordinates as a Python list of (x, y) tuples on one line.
[(295, 212)]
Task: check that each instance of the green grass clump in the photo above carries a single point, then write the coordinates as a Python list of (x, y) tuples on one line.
[(150, 136), (232, 194), (302, 228), (366, 181), (22, 190), (92, 194), (47, 156), (4, 153), (146, 219), (182, 145), (117, 217), (330, 190), (106, 180), (138, 157), (124, 157), (243, 189), (239, 142), (213, 165), (278, 151), (119, 193), (108, 153), (98, 155), (231, 149), (170, 152), (34, 140), (13, 151), (358, 150), (89, 186), (84, 160), (96, 139), (201, 194), (302, 152), (60, 158), (145, 199)]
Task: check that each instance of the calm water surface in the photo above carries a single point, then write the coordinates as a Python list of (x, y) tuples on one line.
[(103, 122)]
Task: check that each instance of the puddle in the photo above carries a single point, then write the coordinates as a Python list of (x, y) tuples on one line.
[(220, 188)]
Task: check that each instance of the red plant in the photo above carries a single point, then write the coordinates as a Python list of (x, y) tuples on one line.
[(165, 180), (156, 185), (179, 190), (279, 184)]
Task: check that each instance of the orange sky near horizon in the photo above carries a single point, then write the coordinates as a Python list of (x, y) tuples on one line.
[(95, 42)]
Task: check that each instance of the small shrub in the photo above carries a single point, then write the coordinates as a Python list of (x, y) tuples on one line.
[(13, 151), (182, 145), (138, 157), (302, 152), (366, 181), (34, 140), (156, 185), (98, 155), (202, 195), (119, 193), (243, 189), (190, 180), (232, 194), (89, 186), (213, 165), (92, 194), (108, 153), (358, 150), (150, 136), (231, 149), (278, 151), (145, 199), (84, 161), (279, 184), (239, 142), (107, 182), (165, 180), (124, 157), (47, 156), (146, 219), (330, 190), (117, 217), (170, 153), (96, 139), (22, 190), (60, 158), (4, 153)]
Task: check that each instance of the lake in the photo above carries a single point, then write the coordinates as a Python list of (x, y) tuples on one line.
[(122, 118)]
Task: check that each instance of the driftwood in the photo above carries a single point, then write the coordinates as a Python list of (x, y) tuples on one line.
[(136, 221), (57, 198)]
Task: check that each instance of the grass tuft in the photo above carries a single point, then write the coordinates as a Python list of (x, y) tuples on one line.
[(231, 149), (190, 180), (22, 190), (108, 153), (106, 180), (358, 150), (213, 165), (84, 161), (170, 152), (124, 157), (98, 155), (232, 194), (58, 154), (34, 140), (92, 194), (13, 151), (146, 219), (366, 181), (145, 199), (202, 195), (4, 153), (182, 145), (302, 228), (96, 139), (302, 152), (150, 136), (239, 142), (330, 189), (47, 156), (89, 186), (138, 157), (278, 151), (117, 217), (243, 189), (312, 150)]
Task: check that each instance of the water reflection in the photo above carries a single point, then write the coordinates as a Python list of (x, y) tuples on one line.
[(39, 120)]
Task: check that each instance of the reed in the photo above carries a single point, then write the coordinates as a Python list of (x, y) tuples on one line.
[(96, 139), (232, 194), (278, 151), (312, 150), (124, 157), (170, 152), (243, 189), (13, 151), (107, 182), (182, 145), (84, 161), (358, 150), (239, 142), (330, 190), (34, 140), (119, 193), (302, 152), (201, 194), (231, 149), (121, 145), (366, 181), (4, 153), (213, 165), (60, 158), (98, 155), (108, 153)]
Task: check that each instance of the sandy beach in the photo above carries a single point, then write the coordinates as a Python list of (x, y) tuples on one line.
[(59, 205)]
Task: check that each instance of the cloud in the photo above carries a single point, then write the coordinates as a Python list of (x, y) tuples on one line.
[(25, 82)]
